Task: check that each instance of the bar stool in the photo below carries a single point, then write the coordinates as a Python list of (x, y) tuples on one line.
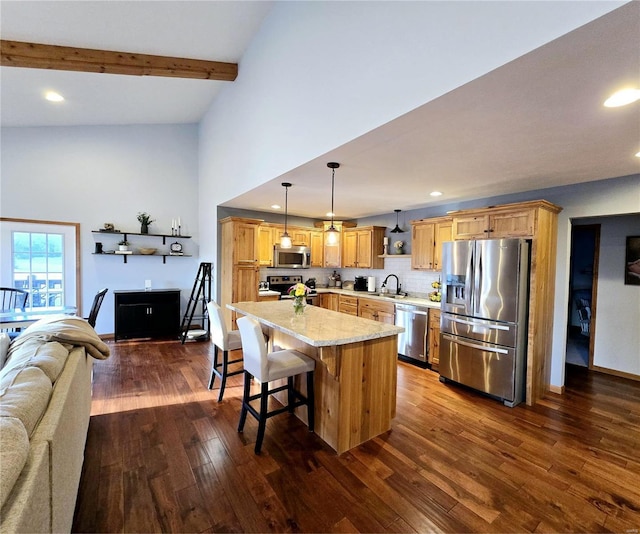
[(224, 341), (267, 367)]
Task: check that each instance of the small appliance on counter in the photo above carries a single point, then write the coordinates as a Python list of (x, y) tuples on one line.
[(311, 283), (360, 283), (371, 284)]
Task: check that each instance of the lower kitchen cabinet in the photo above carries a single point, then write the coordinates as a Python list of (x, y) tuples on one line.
[(147, 314), (433, 337), (329, 301), (347, 304), (383, 312)]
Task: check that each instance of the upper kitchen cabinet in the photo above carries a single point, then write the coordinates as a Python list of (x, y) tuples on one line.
[(362, 246), (509, 220), (300, 237), (268, 236), (332, 254), (427, 236), (239, 264), (317, 248)]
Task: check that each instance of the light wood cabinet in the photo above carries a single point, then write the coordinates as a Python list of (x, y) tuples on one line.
[(239, 265), (267, 237), (329, 301), (300, 237), (495, 223), (433, 338), (317, 248), (362, 246), (348, 304), (376, 310), (427, 236)]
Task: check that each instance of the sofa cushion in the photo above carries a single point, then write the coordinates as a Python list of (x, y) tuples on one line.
[(14, 449), (48, 356), (24, 394), (4, 347)]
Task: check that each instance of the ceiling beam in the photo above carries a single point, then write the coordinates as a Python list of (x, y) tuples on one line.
[(42, 56)]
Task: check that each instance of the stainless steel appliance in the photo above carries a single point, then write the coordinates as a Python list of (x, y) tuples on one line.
[(291, 258), (412, 343), (360, 283), (483, 323), (283, 283)]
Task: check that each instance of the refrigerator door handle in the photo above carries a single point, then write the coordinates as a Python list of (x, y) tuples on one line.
[(477, 278), (458, 341), (468, 294), (471, 323)]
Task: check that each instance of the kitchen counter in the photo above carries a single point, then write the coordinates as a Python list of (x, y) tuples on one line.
[(268, 293), (356, 374), (417, 301)]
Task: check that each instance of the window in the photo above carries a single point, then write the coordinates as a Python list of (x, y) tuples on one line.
[(41, 259)]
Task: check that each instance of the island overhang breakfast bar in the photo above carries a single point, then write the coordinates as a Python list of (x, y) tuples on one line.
[(355, 376)]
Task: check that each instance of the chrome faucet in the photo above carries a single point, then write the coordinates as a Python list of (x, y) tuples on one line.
[(398, 286)]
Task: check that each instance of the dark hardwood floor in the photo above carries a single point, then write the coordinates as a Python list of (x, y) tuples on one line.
[(163, 456)]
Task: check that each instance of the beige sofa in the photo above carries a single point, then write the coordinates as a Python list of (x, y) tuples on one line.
[(45, 403)]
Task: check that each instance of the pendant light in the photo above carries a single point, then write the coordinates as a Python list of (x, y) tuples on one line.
[(285, 239), (332, 234), (397, 229)]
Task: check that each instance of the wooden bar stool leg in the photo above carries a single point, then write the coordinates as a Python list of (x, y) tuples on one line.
[(311, 398), (245, 401), (262, 421)]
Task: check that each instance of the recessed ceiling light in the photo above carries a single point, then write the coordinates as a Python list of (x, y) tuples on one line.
[(435, 193), (276, 206), (622, 98), (52, 96), (638, 155)]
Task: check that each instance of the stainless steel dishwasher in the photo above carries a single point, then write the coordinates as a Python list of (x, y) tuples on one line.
[(412, 343)]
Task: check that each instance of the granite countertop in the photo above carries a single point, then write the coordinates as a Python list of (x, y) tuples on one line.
[(317, 327), (416, 301)]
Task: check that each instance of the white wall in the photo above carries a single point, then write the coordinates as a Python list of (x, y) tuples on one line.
[(93, 175), (601, 199), (319, 74), (617, 328)]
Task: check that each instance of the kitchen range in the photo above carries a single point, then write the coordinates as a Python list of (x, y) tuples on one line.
[(281, 284), (483, 324)]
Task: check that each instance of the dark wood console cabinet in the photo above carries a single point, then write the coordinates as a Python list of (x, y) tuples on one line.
[(147, 314)]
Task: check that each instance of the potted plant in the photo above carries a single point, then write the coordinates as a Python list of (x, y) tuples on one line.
[(123, 245), (399, 246), (145, 220)]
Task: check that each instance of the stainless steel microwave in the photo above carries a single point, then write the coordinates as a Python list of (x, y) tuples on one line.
[(291, 258)]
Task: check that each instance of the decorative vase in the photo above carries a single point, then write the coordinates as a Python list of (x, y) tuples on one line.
[(400, 250), (144, 228), (299, 304), (123, 247)]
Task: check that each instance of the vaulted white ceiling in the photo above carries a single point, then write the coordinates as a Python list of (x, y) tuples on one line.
[(535, 122)]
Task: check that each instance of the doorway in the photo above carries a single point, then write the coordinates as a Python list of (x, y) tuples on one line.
[(585, 246)]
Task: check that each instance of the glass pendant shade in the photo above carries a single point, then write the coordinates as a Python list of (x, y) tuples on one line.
[(285, 239), (332, 235)]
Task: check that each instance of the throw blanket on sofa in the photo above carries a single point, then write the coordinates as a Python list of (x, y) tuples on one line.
[(64, 329)]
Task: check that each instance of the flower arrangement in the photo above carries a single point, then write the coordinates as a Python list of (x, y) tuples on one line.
[(398, 245), (145, 220), (299, 293)]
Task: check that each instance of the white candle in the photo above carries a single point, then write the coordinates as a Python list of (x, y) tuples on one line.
[(173, 224), (386, 241), (179, 222)]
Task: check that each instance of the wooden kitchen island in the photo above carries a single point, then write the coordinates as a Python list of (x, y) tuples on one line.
[(355, 376)]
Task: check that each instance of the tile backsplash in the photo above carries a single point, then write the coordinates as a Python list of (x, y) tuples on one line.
[(416, 283)]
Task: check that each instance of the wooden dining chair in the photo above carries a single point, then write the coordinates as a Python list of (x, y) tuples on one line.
[(267, 367)]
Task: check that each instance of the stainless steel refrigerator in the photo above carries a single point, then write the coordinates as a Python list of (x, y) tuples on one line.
[(484, 317)]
